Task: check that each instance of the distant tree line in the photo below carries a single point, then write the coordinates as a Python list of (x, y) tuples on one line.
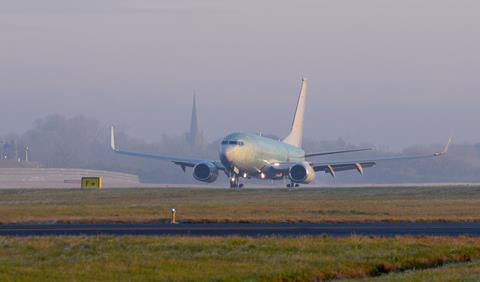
[(81, 142)]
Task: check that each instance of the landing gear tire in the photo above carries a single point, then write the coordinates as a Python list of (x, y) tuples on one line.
[(289, 185), (240, 185), (297, 185)]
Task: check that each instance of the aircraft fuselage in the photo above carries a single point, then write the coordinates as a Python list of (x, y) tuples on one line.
[(252, 155)]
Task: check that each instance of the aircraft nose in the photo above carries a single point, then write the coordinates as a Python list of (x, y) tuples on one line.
[(228, 153), (228, 156)]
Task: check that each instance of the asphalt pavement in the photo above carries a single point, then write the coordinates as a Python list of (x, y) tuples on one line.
[(334, 230)]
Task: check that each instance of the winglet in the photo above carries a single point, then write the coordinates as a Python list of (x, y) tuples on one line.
[(112, 139), (445, 149)]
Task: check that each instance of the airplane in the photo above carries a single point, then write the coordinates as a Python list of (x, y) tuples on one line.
[(246, 155)]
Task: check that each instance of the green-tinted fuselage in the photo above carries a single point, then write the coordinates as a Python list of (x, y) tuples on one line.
[(253, 155)]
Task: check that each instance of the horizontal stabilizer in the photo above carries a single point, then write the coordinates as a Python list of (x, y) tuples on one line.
[(336, 152)]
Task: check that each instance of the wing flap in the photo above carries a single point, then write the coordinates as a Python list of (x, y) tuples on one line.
[(344, 166)]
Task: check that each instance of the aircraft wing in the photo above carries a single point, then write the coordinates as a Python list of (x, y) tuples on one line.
[(359, 165), (182, 162)]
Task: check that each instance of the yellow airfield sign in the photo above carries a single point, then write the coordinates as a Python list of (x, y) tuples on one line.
[(91, 183)]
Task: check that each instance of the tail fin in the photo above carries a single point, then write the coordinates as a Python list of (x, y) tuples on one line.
[(296, 134)]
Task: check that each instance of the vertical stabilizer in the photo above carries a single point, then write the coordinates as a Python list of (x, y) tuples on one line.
[(296, 134)]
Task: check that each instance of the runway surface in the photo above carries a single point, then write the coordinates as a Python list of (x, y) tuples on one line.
[(335, 230)]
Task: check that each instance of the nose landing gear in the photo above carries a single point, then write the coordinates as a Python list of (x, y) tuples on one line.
[(234, 181)]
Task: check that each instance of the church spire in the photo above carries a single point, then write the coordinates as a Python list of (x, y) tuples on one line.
[(194, 136), (194, 122)]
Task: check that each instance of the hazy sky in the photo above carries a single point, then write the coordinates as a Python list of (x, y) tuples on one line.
[(389, 72)]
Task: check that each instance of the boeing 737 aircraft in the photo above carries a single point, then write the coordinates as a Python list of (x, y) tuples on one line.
[(245, 155)]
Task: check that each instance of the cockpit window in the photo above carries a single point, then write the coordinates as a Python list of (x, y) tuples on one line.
[(239, 143)]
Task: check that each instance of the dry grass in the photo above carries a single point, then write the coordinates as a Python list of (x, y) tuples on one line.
[(223, 259), (414, 204)]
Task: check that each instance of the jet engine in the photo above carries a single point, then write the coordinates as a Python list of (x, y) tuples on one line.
[(205, 172), (302, 173)]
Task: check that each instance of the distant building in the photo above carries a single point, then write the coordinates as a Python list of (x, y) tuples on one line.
[(9, 150), (194, 137)]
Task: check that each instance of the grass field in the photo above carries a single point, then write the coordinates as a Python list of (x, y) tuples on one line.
[(316, 205), (232, 259)]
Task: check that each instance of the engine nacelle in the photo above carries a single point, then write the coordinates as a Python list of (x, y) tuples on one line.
[(205, 172), (302, 173)]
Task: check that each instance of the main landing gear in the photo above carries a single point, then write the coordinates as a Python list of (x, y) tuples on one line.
[(289, 183), (234, 181), (293, 185)]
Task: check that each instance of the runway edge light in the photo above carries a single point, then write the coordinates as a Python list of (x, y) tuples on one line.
[(174, 216)]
